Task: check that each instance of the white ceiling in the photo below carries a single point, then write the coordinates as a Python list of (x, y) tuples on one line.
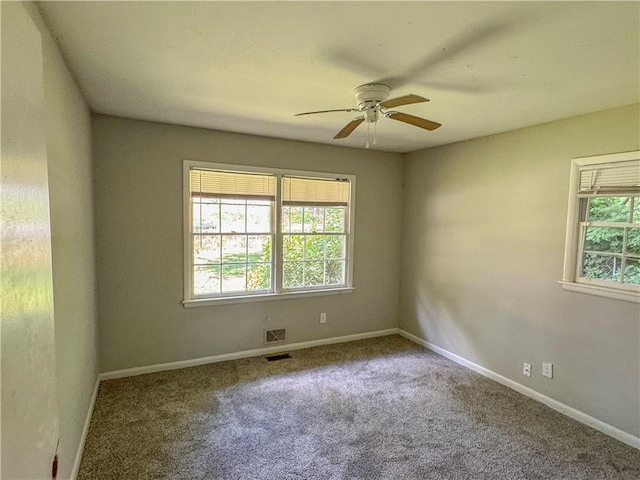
[(487, 67)]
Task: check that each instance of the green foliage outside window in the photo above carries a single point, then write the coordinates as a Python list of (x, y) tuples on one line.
[(313, 248), (612, 249)]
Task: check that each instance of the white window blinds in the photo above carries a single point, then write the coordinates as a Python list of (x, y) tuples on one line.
[(618, 177), (315, 192), (211, 183)]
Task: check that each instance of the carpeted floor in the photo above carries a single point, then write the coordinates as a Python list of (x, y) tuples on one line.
[(382, 408)]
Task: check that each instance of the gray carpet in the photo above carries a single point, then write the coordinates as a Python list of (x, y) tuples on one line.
[(382, 408)]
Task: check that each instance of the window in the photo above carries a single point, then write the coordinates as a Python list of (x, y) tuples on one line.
[(231, 232), (314, 232), (602, 255), (255, 233)]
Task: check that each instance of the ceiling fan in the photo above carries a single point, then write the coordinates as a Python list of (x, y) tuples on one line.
[(372, 103)]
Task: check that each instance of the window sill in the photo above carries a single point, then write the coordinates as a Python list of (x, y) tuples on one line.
[(265, 297), (626, 296)]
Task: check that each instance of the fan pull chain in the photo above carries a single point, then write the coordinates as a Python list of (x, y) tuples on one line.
[(375, 133)]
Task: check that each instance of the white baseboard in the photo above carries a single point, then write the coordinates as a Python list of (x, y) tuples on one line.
[(130, 372), (85, 431), (571, 412)]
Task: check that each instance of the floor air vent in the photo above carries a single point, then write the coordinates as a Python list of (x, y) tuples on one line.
[(282, 356), (277, 335)]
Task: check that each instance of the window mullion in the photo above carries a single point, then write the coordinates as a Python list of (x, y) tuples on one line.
[(581, 240), (324, 257), (246, 245), (625, 240), (304, 253), (623, 261), (276, 254)]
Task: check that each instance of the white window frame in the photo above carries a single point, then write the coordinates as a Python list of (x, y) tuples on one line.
[(277, 291), (571, 281)]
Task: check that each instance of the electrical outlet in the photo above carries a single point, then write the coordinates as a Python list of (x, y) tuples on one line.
[(323, 317), (526, 369), (547, 370)]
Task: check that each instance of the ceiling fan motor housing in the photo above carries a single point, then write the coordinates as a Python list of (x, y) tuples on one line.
[(370, 95)]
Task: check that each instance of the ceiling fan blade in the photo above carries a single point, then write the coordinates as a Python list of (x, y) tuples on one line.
[(463, 44), (349, 127), (406, 100), (411, 120), (327, 111), (375, 73)]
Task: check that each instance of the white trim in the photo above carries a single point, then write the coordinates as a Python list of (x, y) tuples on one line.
[(607, 158), (351, 234), (186, 231), (258, 352), (265, 297), (85, 431), (571, 412), (600, 291), (571, 235)]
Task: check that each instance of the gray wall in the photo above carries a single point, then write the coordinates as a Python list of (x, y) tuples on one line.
[(29, 407), (138, 172), (68, 128), (483, 245), (48, 305)]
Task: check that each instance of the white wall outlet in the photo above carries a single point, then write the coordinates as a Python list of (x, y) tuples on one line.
[(547, 370), (323, 317), (526, 369)]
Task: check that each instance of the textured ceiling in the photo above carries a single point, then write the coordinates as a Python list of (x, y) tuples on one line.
[(487, 67)]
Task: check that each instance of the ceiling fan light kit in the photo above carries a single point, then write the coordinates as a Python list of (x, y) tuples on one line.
[(372, 101)]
